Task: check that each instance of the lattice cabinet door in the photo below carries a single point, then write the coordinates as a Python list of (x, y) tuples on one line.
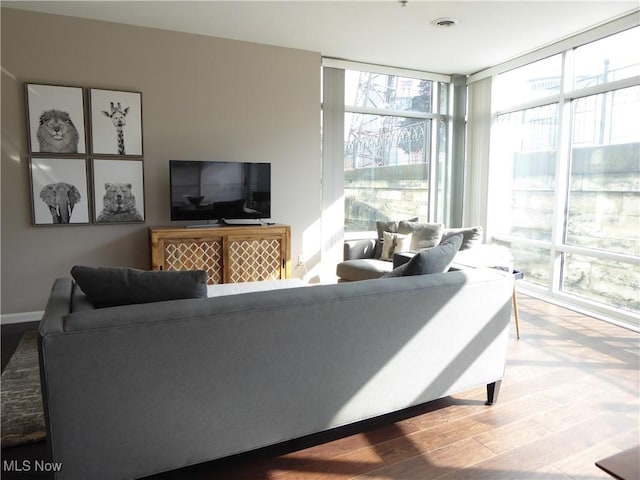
[(195, 255), (227, 254), (253, 258)]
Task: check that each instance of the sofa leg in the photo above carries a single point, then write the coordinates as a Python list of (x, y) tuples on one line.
[(492, 392)]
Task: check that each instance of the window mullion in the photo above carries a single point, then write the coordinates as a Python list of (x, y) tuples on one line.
[(573, 190), (433, 163), (390, 113), (603, 88), (433, 150), (561, 196)]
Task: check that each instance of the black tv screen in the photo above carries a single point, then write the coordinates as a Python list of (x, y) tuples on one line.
[(208, 190)]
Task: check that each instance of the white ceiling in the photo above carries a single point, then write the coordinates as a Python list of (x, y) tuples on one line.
[(380, 32)]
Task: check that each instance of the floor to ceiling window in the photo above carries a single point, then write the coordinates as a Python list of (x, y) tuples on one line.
[(395, 138), (565, 181)]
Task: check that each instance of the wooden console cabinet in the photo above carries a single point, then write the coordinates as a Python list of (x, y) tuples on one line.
[(229, 254)]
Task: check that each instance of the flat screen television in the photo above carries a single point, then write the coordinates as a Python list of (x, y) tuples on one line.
[(218, 191)]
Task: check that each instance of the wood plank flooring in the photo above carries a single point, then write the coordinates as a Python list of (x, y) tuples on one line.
[(570, 397)]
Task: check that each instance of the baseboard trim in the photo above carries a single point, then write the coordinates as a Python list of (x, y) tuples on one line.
[(24, 317)]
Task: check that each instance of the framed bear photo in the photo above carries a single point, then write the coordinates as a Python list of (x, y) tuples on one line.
[(59, 191), (116, 122), (118, 191), (55, 118)]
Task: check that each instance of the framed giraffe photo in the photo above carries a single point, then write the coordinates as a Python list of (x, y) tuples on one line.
[(116, 122)]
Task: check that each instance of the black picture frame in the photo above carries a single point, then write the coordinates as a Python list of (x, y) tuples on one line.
[(59, 191), (118, 190), (116, 122), (55, 120)]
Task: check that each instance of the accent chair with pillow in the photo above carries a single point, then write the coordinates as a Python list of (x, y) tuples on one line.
[(363, 258)]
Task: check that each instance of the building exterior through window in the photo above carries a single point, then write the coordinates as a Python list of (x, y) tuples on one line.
[(565, 182), (390, 125)]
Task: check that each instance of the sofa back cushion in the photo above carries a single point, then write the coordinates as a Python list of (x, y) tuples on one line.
[(471, 236), (423, 235), (113, 286), (390, 226)]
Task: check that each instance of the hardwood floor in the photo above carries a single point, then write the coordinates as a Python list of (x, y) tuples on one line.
[(570, 397)]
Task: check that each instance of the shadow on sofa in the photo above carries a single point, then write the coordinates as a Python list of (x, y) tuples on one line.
[(136, 389)]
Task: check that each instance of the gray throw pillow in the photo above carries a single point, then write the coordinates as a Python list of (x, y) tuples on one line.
[(400, 262), (433, 260), (472, 236), (113, 286), (423, 235), (396, 272)]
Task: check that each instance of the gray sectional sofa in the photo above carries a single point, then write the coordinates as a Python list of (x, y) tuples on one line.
[(133, 390), (364, 260)]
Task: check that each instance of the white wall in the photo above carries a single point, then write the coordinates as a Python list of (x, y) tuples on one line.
[(203, 98)]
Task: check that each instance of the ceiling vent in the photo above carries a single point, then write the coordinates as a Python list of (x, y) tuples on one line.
[(445, 22)]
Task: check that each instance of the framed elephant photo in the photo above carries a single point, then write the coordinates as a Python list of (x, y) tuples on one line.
[(116, 122), (55, 116), (118, 189), (59, 191)]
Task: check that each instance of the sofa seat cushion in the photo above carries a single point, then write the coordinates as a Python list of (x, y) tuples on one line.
[(114, 286), (224, 289), (492, 256), (363, 269)]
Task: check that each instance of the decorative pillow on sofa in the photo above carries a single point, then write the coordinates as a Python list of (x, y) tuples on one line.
[(113, 286), (394, 243), (471, 236), (424, 235), (430, 260), (386, 226)]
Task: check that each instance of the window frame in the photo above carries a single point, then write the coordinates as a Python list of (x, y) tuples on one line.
[(557, 245), (437, 179)]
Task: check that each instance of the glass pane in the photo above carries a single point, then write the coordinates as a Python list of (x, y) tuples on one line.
[(535, 263), (608, 282), (388, 92), (379, 140), (534, 81), (604, 190), (443, 92), (612, 58), (524, 151), (386, 169)]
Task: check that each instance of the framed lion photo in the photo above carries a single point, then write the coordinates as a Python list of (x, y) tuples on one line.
[(56, 121), (118, 190)]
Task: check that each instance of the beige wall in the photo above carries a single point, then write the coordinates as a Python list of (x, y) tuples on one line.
[(203, 98)]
